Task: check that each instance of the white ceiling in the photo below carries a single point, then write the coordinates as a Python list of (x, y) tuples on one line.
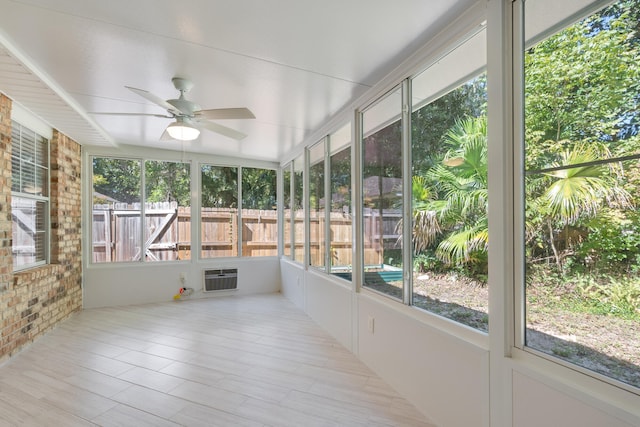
[(293, 63)]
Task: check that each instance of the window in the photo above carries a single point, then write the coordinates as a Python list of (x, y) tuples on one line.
[(219, 211), (298, 209), (382, 195), (29, 197), (259, 212), (330, 220), (167, 234), (317, 203), (117, 195), (341, 219), (581, 190), (449, 186), (119, 232), (286, 215)]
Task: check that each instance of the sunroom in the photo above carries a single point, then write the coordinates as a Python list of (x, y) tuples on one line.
[(449, 189)]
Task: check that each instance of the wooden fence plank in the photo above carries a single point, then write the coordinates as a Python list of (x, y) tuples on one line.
[(116, 233)]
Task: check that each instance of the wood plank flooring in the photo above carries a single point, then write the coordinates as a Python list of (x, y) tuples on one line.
[(232, 361)]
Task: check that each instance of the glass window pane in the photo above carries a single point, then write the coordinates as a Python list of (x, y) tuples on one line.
[(286, 216), (116, 210), (42, 181), (30, 180), (449, 187), (316, 206), (582, 187), (298, 209), (259, 212), (29, 227), (40, 235), (340, 251), (16, 150), (382, 193), (219, 213), (167, 211)]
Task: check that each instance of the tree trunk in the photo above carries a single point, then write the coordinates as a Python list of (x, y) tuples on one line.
[(553, 247)]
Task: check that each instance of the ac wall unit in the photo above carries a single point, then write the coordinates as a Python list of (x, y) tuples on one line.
[(221, 279)]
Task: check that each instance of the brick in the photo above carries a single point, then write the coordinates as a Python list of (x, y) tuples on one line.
[(34, 301)]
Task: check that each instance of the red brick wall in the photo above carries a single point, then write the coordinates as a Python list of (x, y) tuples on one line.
[(35, 300)]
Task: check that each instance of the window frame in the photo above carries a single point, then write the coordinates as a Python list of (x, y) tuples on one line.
[(142, 161), (32, 197), (403, 117), (317, 154), (241, 209), (519, 44), (339, 148), (286, 198)]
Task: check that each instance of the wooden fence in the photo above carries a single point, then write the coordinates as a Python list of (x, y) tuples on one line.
[(167, 234)]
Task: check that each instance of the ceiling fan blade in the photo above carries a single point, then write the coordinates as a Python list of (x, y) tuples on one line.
[(225, 113), (164, 116), (153, 98), (222, 130)]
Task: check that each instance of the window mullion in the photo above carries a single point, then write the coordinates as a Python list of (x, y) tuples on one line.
[(407, 217), (143, 199), (327, 205), (239, 215)]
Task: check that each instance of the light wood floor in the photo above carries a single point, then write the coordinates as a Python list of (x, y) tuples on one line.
[(232, 361)]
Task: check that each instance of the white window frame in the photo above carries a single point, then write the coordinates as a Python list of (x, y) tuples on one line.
[(18, 118), (520, 40)]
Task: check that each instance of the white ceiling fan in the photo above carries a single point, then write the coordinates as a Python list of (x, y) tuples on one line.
[(189, 117)]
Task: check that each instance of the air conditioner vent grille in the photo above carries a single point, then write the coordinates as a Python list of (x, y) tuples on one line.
[(222, 279)]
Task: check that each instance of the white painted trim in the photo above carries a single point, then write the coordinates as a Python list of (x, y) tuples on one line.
[(31, 121)]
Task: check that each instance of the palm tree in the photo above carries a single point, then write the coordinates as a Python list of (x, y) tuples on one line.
[(568, 194), (459, 212)]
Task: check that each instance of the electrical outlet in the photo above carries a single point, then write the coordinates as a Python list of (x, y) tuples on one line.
[(371, 323), (183, 277)]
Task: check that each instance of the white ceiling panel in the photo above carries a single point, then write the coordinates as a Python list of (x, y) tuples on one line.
[(293, 63)]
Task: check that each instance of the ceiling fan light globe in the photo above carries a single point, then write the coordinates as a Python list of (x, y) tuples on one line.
[(182, 132)]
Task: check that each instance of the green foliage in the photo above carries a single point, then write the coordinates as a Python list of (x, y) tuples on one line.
[(615, 297), (259, 188), (118, 179), (582, 190), (219, 186), (168, 182), (427, 261), (580, 83), (431, 122), (449, 183), (613, 242), (607, 295), (393, 257), (461, 184), (582, 89)]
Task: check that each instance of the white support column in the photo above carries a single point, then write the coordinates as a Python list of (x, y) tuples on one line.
[(501, 213)]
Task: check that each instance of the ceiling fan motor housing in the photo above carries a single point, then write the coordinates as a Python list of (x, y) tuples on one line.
[(186, 107)]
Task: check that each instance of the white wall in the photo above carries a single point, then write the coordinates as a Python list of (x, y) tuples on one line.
[(292, 282), (537, 404), (142, 283), (322, 291), (444, 369), (444, 376), (438, 372)]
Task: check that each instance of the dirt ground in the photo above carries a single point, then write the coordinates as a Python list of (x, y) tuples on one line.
[(604, 344)]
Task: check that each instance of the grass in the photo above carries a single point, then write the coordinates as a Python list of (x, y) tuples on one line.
[(604, 295)]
